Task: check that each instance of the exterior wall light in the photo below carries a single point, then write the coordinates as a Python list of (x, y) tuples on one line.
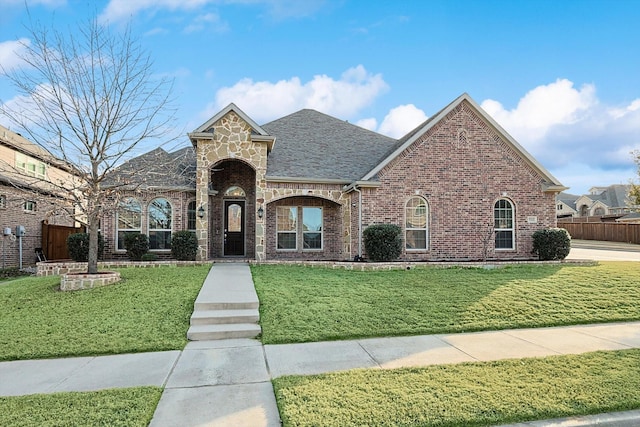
[(200, 212), (260, 212)]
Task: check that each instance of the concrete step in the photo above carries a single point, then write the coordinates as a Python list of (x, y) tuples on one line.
[(220, 332), (221, 305), (212, 317)]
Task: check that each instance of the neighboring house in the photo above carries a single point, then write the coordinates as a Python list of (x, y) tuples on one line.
[(305, 186), (603, 201), (26, 199), (630, 218), (566, 205)]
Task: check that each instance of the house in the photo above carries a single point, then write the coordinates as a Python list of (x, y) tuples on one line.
[(611, 201), (305, 186), (26, 198)]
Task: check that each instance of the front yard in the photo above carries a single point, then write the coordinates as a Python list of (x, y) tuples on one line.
[(301, 304)]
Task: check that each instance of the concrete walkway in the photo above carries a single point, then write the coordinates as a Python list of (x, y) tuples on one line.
[(227, 382)]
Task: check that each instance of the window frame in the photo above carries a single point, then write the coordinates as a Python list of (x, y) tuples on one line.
[(30, 166), (305, 232), (191, 215), (167, 229), (29, 206), (424, 229), (126, 202), (292, 230), (497, 218), (3, 201)]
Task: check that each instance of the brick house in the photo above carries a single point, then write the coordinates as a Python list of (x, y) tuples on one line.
[(26, 199), (305, 186)]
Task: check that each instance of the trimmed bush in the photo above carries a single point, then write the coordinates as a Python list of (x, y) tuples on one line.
[(184, 245), (136, 244), (551, 244), (383, 242), (78, 246), (149, 257)]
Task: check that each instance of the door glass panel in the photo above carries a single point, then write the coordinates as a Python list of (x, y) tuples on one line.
[(234, 218)]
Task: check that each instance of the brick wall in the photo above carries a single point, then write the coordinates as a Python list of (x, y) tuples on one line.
[(332, 230), (461, 167), (179, 202), (13, 214)]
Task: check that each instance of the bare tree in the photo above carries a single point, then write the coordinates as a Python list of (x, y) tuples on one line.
[(634, 191), (90, 98)]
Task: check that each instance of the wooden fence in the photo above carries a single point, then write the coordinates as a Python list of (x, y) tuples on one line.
[(54, 240), (605, 231)]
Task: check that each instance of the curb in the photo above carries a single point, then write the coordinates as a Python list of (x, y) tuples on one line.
[(611, 419)]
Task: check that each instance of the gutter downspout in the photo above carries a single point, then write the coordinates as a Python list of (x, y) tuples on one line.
[(355, 188)]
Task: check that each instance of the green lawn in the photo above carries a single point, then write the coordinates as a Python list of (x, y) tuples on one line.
[(148, 310), (474, 394), (300, 304), (126, 407)]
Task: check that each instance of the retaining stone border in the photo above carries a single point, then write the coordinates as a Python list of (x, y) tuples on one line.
[(77, 282), (59, 268)]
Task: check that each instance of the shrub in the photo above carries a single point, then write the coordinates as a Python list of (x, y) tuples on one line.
[(149, 257), (136, 244), (184, 245), (383, 242), (78, 246), (551, 244)]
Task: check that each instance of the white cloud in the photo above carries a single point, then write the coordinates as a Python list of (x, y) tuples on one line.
[(370, 123), (265, 101), (118, 10), (400, 120), (10, 52), (571, 132), (207, 21)]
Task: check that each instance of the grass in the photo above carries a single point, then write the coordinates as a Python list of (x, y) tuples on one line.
[(148, 310), (303, 304), (117, 407), (474, 394)]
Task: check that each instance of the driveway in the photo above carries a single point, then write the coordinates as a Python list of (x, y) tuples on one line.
[(604, 251)]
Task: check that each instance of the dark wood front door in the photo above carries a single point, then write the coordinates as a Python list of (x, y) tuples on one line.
[(233, 228)]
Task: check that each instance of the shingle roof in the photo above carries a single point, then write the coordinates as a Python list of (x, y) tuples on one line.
[(160, 169), (568, 199), (310, 144), (614, 196)]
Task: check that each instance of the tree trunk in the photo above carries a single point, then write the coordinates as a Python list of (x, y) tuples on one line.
[(92, 264)]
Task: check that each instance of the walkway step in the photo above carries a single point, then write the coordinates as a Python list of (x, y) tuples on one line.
[(211, 317), (225, 305), (221, 331)]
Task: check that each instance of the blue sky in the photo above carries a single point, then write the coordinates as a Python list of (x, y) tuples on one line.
[(562, 77)]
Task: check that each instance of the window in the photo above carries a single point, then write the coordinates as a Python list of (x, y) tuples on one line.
[(416, 214), (286, 225), (599, 211), (312, 228), (503, 224), (159, 224), (3, 201), (191, 216), (30, 166), (29, 206), (128, 220), (584, 210), (559, 207), (234, 191)]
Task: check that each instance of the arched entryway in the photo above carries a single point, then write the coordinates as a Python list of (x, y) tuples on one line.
[(232, 210)]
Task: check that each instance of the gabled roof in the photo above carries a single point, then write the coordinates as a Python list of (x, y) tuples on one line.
[(614, 196), (551, 183), (231, 107), (24, 146), (567, 199), (316, 146)]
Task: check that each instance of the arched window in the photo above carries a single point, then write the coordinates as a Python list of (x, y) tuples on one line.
[(416, 224), (159, 224), (584, 210), (234, 191), (503, 224), (599, 211), (191, 216), (128, 220)]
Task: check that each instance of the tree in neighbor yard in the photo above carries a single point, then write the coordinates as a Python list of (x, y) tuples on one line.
[(88, 96), (634, 192)]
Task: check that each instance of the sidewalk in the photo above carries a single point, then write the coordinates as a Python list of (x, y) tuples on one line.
[(228, 382)]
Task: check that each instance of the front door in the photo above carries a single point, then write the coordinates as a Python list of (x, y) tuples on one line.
[(233, 228)]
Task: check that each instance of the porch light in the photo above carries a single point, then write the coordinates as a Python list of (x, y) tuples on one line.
[(200, 212), (260, 212)]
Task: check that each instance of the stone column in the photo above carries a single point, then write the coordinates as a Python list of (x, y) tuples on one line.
[(202, 201)]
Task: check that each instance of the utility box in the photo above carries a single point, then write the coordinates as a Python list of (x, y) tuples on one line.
[(7, 231), (20, 231)]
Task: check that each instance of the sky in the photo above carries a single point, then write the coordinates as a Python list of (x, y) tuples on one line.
[(561, 76)]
